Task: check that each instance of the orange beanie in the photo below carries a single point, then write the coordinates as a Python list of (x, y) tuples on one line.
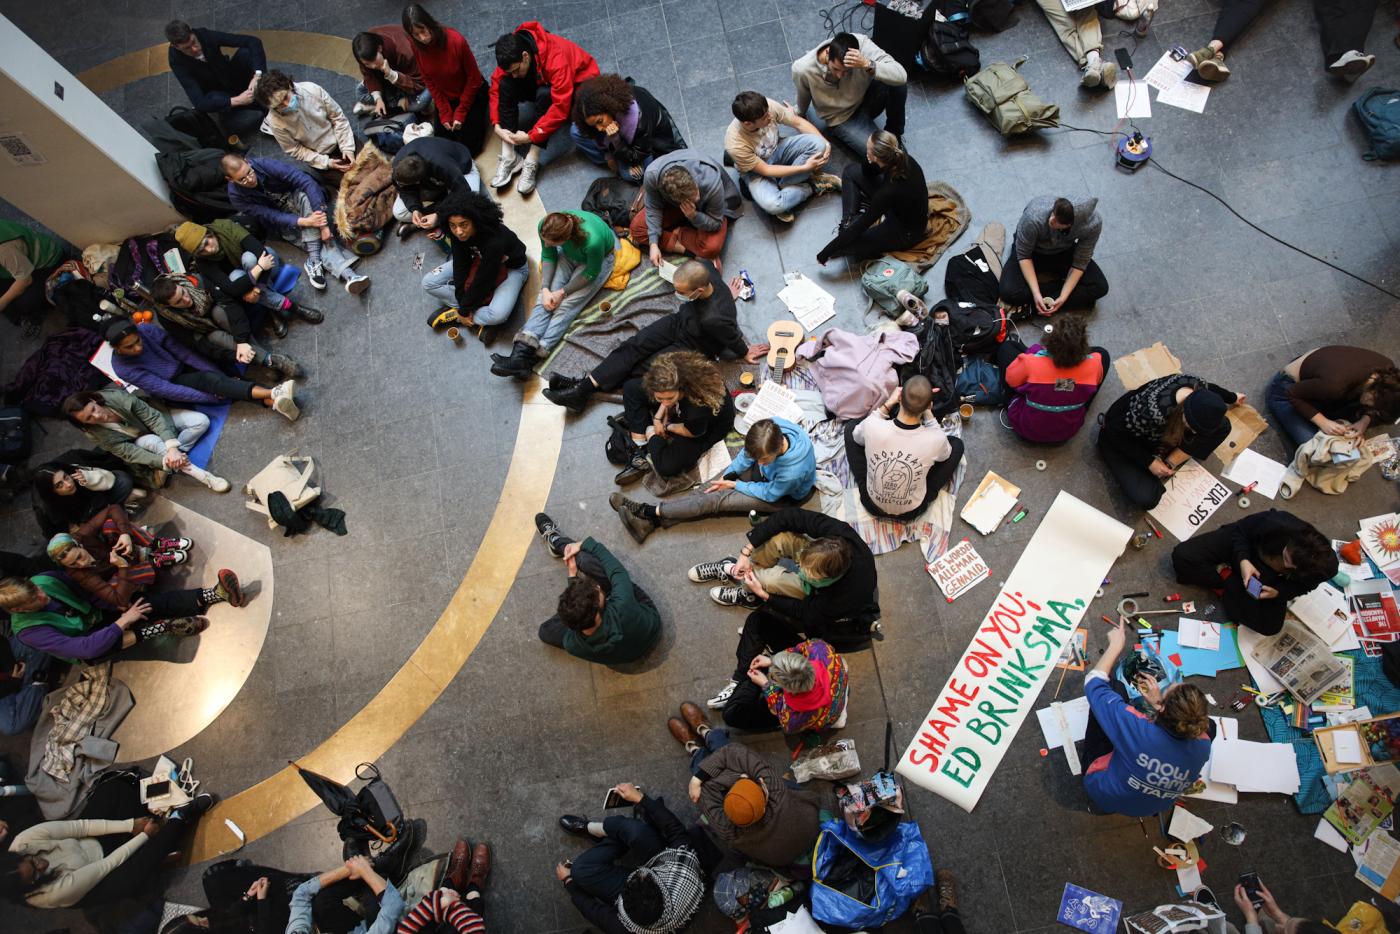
[(745, 802)]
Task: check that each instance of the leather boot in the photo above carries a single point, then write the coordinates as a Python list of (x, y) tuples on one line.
[(307, 314), (573, 397), (518, 364)]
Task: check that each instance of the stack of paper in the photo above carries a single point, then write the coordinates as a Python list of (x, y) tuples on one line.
[(1169, 76), (809, 303), (774, 400), (1250, 766), (1324, 610), (990, 503), (1253, 467), (1380, 536)]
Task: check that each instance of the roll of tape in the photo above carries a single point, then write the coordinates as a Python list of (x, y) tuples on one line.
[(1244, 502), (744, 400), (1099, 592), (1040, 465)]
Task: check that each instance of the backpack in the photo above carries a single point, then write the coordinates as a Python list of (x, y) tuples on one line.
[(884, 279), (16, 437), (991, 15), (611, 199), (1379, 112), (968, 278), (976, 328), (938, 361), (947, 47), (979, 382), (1003, 95), (199, 125), (198, 188)]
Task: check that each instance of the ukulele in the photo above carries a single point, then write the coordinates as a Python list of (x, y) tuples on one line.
[(784, 337)]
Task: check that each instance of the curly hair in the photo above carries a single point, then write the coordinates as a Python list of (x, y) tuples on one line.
[(484, 213), (689, 373), (1184, 713), (604, 94), (1385, 395), (270, 84), (578, 604), (1068, 342), (677, 186)]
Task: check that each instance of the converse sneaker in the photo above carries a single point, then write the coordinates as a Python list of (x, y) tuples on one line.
[(719, 700), (733, 595), (284, 401), (529, 177), (1351, 65), (212, 481), (315, 274), (506, 170), (355, 283), (713, 570), (172, 544), (169, 559)]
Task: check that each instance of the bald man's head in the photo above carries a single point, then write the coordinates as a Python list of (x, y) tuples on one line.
[(691, 276), (916, 397)]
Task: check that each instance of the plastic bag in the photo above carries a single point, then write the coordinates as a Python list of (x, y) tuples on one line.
[(833, 762)]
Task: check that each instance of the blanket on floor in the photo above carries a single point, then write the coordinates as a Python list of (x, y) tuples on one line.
[(948, 217), (598, 329)]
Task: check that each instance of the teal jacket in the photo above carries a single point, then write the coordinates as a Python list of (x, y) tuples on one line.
[(629, 628)]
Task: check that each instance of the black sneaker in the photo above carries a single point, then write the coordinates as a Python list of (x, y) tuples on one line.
[(554, 540), (734, 595), (637, 468), (197, 808)]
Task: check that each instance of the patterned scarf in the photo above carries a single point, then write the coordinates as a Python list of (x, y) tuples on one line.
[(1152, 403), (195, 318)]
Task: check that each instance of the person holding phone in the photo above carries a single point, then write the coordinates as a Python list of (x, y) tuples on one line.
[(1257, 565), (1135, 764), (1264, 916)]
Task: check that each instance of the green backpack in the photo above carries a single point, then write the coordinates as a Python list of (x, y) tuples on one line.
[(885, 278), (1003, 95)]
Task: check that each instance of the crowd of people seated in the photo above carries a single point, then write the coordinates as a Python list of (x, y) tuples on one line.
[(808, 581)]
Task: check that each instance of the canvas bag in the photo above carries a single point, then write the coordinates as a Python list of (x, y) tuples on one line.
[(883, 280), (1003, 95), (1379, 112)]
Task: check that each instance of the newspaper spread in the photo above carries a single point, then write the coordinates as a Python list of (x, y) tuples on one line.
[(1301, 661)]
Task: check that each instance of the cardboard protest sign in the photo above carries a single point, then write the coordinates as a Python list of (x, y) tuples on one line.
[(1191, 497), (957, 571), (993, 687)]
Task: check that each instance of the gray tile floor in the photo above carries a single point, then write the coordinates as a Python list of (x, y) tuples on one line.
[(414, 436)]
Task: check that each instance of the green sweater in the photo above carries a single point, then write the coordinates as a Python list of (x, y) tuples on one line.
[(43, 251), (136, 414), (598, 241), (629, 627)]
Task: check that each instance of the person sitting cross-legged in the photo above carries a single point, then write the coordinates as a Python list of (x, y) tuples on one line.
[(688, 202), (1053, 382), (148, 358), (218, 84), (308, 124), (620, 125), (603, 616), (149, 440), (707, 322), (481, 283), (1054, 264), (798, 690), (849, 81), (899, 455), (390, 82), (239, 268), (675, 413), (781, 172), (776, 468)]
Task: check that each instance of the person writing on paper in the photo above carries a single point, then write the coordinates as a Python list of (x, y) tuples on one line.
[(1149, 432), (1336, 390), (1133, 764), (1287, 556), (675, 413)]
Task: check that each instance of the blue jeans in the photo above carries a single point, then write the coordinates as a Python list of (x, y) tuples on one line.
[(190, 426), (266, 296), (416, 105), (781, 195), (715, 740), (559, 142), (543, 329), (1295, 427), (438, 283), (596, 870), (20, 711), (588, 147), (879, 98)]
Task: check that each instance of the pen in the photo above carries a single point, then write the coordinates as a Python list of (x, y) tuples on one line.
[(1155, 531)]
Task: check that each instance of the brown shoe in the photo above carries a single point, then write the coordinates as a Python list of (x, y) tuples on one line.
[(683, 733), (457, 865), (695, 718), (481, 868), (947, 891)]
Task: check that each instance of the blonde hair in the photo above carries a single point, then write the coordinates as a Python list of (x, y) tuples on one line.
[(825, 558), (689, 373), (17, 591)]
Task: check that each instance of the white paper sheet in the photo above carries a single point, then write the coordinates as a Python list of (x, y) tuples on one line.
[(1251, 766), (1167, 72), (1186, 826), (1189, 877), (1187, 95), (1263, 678), (1252, 467), (772, 400), (1076, 715), (809, 303), (1346, 747), (1331, 836), (1324, 610), (984, 513), (1072, 5), (1130, 97), (715, 461), (1198, 633)]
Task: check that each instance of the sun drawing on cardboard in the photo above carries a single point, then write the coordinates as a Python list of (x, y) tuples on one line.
[(1385, 536)]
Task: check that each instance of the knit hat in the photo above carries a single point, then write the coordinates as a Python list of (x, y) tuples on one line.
[(190, 236), (116, 329), (745, 802), (1204, 411), (59, 544)]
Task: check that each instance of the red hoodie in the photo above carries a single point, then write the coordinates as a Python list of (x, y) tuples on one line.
[(562, 65), (451, 74)]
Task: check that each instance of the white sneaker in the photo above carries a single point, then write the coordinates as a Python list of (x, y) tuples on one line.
[(356, 283), (719, 700), (1110, 75), (1352, 65), (1093, 75), (529, 175), (505, 170), (212, 481), (713, 570), (315, 274), (284, 401), (361, 108), (841, 720)]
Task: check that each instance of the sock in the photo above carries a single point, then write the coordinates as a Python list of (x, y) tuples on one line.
[(692, 746), (212, 595), (287, 304), (650, 512), (150, 630), (313, 251), (507, 150), (1091, 59), (595, 828)]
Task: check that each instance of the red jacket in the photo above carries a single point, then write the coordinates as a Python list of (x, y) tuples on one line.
[(562, 65), (451, 74)]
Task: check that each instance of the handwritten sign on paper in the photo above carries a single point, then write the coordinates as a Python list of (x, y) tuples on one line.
[(1191, 497), (959, 570)]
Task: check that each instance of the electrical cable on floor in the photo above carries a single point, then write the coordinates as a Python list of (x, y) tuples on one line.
[(845, 20), (1186, 181)]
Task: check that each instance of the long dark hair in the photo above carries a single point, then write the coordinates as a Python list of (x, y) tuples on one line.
[(56, 513), (484, 213), (415, 15)]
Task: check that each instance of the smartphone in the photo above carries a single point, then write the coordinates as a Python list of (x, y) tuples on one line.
[(1255, 587), (1250, 881), (615, 800), (1125, 61), (158, 789)]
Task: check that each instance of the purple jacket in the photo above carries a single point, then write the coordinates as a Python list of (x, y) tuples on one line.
[(276, 180), (162, 359), (93, 645)]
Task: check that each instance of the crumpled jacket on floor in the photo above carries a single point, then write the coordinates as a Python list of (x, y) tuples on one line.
[(856, 371), (1313, 462)]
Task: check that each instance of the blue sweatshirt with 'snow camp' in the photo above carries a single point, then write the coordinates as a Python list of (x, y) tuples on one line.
[(1149, 768), (792, 474)]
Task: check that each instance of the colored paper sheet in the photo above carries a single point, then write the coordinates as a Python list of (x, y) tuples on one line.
[(1089, 911), (1204, 661)]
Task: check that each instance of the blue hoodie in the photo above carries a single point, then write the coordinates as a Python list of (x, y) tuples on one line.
[(1149, 768), (791, 475)]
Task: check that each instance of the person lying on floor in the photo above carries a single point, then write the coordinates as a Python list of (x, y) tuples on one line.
[(674, 414), (218, 329), (1287, 556), (602, 615), (148, 358), (153, 443), (1338, 390), (113, 559), (776, 468), (92, 862), (706, 322), (798, 690), (899, 455), (51, 613), (239, 268), (1343, 25), (77, 485)]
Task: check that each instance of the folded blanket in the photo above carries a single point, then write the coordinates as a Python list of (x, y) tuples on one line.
[(948, 217), (597, 330)]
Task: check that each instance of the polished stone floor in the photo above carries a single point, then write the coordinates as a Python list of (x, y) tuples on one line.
[(413, 437)]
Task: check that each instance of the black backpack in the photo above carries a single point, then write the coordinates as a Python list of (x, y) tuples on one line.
[(947, 48), (937, 359), (16, 437), (976, 328), (992, 15), (198, 188), (968, 278), (611, 199), (199, 125)]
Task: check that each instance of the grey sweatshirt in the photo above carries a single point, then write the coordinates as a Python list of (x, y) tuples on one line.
[(898, 458), (836, 103), (1034, 234), (718, 192)]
